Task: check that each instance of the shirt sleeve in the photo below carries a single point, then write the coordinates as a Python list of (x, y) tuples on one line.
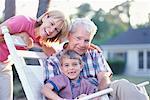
[(52, 67), (18, 24), (55, 82), (88, 87), (102, 64)]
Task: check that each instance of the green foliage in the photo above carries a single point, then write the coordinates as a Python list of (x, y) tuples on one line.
[(83, 10), (117, 66), (109, 27), (109, 24)]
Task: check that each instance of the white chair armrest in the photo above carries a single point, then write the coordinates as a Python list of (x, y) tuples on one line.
[(98, 94)]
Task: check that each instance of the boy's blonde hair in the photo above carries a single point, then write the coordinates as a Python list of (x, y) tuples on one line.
[(70, 54)]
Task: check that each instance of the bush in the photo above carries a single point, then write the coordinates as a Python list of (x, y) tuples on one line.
[(117, 66)]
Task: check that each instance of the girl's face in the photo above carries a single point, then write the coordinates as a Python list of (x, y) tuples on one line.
[(71, 68), (50, 27)]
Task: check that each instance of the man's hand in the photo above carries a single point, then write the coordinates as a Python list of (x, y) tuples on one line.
[(104, 79)]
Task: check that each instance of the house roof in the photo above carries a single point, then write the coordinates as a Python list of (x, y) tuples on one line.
[(132, 36)]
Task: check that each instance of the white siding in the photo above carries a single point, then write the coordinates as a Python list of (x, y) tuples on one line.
[(132, 62)]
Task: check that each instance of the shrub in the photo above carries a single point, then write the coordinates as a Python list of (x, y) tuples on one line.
[(117, 66)]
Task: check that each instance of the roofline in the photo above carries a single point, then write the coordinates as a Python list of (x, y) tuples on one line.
[(125, 46)]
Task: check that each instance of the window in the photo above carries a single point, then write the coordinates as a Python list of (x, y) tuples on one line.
[(148, 60), (141, 61), (117, 56)]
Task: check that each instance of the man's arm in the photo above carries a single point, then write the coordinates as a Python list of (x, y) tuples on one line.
[(104, 79)]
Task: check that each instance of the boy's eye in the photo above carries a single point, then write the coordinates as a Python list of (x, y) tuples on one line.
[(74, 64), (66, 65)]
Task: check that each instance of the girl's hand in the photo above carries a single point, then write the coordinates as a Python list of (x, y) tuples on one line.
[(30, 42), (26, 38), (48, 50), (1, 38)]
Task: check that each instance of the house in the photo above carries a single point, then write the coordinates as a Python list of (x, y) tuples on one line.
[(133, 47)]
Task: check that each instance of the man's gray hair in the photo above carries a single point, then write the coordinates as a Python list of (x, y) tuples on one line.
[(86, 23)]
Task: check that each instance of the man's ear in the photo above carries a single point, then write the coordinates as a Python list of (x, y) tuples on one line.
[(68, 36)]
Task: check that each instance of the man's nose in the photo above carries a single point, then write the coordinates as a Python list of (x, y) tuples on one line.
[(82, 43)]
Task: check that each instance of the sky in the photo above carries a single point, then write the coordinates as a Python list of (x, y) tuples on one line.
[(139, 8)]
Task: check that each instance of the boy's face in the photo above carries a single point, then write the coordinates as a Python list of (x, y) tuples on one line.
[(71, 68)]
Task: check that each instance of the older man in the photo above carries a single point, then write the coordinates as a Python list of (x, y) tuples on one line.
[(96, 69)]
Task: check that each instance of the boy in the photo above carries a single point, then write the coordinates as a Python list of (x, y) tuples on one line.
[(69, 84)]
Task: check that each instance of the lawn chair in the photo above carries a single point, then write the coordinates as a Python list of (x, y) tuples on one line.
[(32, 76)]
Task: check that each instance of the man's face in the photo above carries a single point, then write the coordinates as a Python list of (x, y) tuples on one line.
[(80, 40)]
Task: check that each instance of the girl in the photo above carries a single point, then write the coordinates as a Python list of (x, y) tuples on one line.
[(50, 27)]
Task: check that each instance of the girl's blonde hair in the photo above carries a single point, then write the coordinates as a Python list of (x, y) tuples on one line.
[(57, 15)]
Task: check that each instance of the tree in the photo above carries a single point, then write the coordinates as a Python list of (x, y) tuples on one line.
[(122, 10), (102, 24), (109, 24), (83, 11), (42, 7), (10, 9)]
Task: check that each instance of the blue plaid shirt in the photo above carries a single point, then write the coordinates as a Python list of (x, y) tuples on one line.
[(94, 62)]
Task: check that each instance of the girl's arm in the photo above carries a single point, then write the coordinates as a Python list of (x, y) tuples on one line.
[(1, 38), (47, 91), (26, 38), (94, 47), (1, 35), (48, 50)]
